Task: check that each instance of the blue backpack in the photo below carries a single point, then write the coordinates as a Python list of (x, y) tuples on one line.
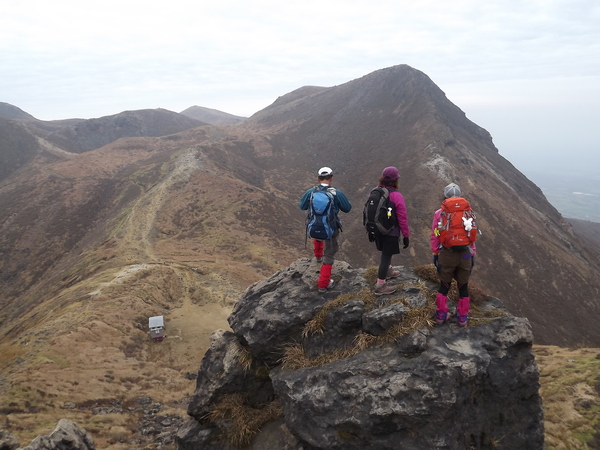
[(321, 221)]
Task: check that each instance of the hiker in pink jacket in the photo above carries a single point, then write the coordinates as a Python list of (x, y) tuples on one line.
[(389, 244)]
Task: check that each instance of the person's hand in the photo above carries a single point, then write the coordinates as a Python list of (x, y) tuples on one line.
[(436, 263), (405, 242)]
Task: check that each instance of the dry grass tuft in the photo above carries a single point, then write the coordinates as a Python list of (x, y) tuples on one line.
[(295, 357), (478, 317), (477, 294), (427, 272), (412, 320), (238, 422), (245, 358), (371, 275)]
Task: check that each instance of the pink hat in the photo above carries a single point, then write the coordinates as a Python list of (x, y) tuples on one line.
[(390, 174)]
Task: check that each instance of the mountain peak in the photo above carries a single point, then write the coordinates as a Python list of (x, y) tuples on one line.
[(12, 112), (212, 116)]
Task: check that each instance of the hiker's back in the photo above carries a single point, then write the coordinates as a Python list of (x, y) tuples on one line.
[(379, 213), (321, 221), (457, 226)]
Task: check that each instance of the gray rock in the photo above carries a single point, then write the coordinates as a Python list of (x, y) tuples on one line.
[(434, 387), (222, 372), (8, 441), (273, 312), (380, 320), (414, 342), (192, 436), (472, 387), (277, 436), (342, 325), (66, 436), (414, 297)]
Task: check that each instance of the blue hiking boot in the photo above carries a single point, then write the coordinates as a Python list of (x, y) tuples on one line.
[(441, 317)]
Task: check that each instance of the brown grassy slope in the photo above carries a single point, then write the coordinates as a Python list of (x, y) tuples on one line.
[(590, 231), (570, 390), (74, 326), (17, 147)]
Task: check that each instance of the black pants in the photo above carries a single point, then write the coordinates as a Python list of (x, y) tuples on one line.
[(389, 246)]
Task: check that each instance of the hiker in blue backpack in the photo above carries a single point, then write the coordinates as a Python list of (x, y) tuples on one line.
[(323, 203)]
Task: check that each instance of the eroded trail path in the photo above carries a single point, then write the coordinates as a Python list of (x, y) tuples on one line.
[(140, 224)]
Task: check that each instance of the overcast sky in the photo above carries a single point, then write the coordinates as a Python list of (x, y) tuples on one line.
[(526, 70)]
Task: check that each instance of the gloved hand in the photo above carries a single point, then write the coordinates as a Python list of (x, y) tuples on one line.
[(405, 242), (436, 263)]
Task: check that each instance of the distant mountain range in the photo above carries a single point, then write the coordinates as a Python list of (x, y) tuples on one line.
[(105, 222), (529, 255)]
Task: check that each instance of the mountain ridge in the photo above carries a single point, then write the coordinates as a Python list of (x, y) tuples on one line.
[(211, 116), (395, 116), (180, 225)]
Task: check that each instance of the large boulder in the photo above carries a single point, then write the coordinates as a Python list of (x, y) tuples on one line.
[(65, 436), (348, 370), (467, 389)]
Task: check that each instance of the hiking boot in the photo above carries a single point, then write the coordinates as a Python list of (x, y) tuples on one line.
[(384, 289), (319, 259), (329, 286), (463, 307), (441, 317), (462, 319), (392, 273)]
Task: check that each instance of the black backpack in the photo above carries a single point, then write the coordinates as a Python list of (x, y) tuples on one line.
[(379, 214)]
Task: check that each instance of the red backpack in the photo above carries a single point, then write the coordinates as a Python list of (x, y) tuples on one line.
[(457, 223)]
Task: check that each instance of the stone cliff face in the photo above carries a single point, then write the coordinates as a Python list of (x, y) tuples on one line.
[(347, 370)]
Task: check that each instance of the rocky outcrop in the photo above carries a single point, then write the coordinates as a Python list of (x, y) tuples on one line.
[(66, 436), (8, 441), (348, 370)]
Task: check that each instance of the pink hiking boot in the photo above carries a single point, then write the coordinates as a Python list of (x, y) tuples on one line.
[(441, 313), (462, 311)]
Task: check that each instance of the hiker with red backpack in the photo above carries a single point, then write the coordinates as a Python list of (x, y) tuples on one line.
[(453, 236), (385, 218), (323, 225)]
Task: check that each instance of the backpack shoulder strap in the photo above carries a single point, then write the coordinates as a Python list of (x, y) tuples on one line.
[(384, 191)]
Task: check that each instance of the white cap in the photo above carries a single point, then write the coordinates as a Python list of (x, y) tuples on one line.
[(324, 171)]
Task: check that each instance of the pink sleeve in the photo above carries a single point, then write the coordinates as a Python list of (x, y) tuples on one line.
[(401, 214), (434, 239)]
